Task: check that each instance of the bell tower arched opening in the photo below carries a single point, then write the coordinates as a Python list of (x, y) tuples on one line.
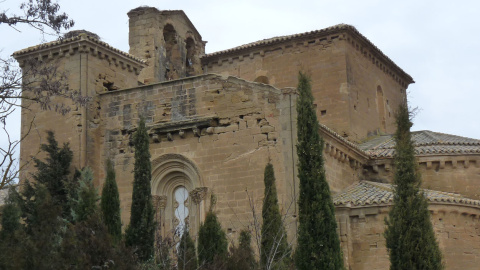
[(190, 57), (172, 54)]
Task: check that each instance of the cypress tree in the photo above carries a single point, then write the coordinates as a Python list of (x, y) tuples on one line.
[(318, 244), (87, 244), (110, 203), (245, 248), (54, 174), (11, 231), (10, 215), (140, 232), (274, 252), (212, 241), (44, 230), (242, 257), (187, 258), (87, 195), (409, 234)]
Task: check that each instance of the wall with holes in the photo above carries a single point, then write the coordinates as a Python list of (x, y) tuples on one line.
[(345, 72), (168, 42), (90, 68), (229, 128)]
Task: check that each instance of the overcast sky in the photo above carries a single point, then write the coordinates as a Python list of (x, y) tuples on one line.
[(436, 42)]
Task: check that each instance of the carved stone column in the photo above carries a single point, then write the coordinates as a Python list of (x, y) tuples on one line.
[(159, 204)]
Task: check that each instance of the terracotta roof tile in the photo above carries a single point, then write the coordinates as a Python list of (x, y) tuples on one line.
[(336, 135), (373, 193), (426, 143)]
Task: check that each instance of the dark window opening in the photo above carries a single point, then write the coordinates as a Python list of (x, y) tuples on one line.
[(172, 53), (110, 86), (262, 79), (189, 59)]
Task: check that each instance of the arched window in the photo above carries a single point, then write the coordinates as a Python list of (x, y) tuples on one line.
[(178, 195), (381, 109)]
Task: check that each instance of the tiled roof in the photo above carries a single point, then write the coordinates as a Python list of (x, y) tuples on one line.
[(72, 39), (373, 193), (426, 143), (336, 135)]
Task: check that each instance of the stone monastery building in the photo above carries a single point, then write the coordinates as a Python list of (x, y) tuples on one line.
[(215, 120)]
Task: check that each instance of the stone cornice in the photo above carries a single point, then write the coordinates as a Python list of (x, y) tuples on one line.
[(81, 44), (333, 147), (358, 157)]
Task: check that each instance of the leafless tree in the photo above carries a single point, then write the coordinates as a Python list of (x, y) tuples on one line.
[(274, 259), (38, 82)]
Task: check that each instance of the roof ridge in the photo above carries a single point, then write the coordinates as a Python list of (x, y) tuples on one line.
[(335, 134), (426, 142), (282, 38), (384, 186), (367, 192), (82, 36), (328, 30)]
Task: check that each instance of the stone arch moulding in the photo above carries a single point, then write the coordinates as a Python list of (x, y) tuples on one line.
[(167, 168), (171, 172)]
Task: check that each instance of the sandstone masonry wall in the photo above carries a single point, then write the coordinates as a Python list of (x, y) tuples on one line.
[(457, 229), (168, 41), (228, 128), (449, 173), (345, 77), (91, 68)]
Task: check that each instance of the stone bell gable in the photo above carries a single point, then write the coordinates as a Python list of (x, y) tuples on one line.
[(168, 41)]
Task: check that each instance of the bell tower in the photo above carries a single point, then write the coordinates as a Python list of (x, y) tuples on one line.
[(167, 41)]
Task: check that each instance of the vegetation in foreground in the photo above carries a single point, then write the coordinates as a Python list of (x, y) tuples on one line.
[(410, 237), (318, 244)]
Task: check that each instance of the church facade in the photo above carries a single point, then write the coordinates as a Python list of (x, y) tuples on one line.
[(215, 121)]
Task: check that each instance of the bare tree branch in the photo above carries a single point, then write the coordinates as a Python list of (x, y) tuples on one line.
[(38, 82), (39, 14)]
